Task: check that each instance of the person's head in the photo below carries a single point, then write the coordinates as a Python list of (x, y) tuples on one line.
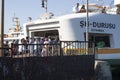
[(46, 39), (7, 42), (83, 6), (27, 37), (78, 4)]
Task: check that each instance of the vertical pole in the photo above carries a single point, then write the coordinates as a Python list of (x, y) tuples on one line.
[(1, 26), (46, 6), (87, 38)]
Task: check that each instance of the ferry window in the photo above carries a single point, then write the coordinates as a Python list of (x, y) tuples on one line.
[(39, 34), (101, 40), (52, 33), (22, 33)]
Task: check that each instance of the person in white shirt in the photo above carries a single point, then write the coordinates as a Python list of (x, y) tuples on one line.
[(31, 47), (45, 48), (76, 8)]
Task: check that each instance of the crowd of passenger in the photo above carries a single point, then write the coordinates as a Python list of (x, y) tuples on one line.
[(33, 46)]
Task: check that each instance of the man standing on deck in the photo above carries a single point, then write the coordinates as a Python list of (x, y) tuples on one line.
[(76, 8)]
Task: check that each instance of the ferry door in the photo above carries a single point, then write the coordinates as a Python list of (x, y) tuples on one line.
[(101, 40)]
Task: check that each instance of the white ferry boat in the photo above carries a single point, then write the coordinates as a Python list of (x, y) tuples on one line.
[(72, 27), (103, 29), (15, 33)]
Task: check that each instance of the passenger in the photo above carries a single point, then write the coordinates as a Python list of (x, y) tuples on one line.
[(49, 40), (10, 50), (118, 10), (31, 47), (104, 10), (21, 46), (6, 50), (14, 47), (83, 9), (76, 8), (56, 40), (36, 47), (42, 40), (27, 42), (45, 48), (25, 45), (27, 39)]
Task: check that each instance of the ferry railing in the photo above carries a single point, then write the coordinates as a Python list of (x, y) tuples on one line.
[(77, 48), (38, 50), (62, 48)]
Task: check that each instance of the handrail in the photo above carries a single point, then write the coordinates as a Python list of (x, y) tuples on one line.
[(62, 48)]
